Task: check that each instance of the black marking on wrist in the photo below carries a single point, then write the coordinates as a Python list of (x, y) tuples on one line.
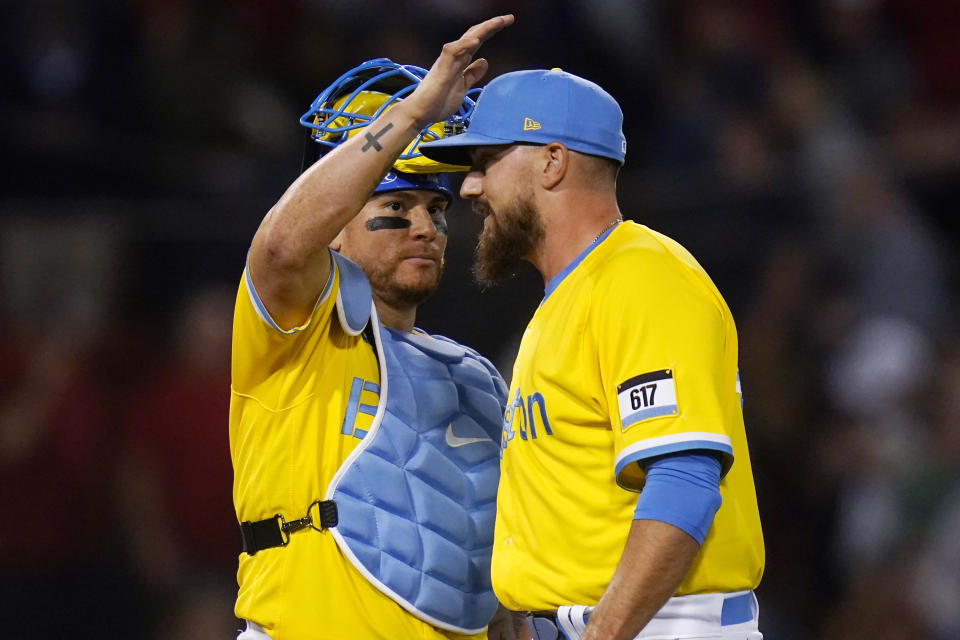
[(387, 222), (373, 138)]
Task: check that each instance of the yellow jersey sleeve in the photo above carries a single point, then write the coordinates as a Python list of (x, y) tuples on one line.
[(262, 350), (661, 334)]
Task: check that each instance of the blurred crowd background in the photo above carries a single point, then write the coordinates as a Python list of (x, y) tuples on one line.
[(806, 151)]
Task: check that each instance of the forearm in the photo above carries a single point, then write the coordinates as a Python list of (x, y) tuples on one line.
[(325, 197), (288, 256), (655, 560)]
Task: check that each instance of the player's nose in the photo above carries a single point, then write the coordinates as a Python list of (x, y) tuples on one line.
[(472, 185), (421, 223)]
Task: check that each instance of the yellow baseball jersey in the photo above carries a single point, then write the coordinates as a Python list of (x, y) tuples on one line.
[(631, 354), (301, 401)]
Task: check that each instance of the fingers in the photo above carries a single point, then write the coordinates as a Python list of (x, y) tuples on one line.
[(487, 28), (455, 71), (476, 35), (473, 73)]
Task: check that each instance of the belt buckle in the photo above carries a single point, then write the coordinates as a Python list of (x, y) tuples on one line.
[(289, 526)]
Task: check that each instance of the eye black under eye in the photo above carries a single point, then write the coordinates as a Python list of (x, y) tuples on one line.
[(387, 222)]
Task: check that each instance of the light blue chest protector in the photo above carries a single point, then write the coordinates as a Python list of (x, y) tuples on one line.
[(417, 497)]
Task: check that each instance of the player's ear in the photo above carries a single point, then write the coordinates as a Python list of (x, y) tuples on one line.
[(337, 243), (556, 161)]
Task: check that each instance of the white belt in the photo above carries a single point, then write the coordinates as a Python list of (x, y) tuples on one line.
[(703, 615)]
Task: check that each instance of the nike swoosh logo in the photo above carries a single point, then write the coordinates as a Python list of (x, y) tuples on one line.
[(455, 441)]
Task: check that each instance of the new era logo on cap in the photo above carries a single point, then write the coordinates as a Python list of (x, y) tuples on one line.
[(529, 124)]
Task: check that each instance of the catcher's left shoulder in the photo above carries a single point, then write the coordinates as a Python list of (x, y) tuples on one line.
[(478, 362), (470, 351)]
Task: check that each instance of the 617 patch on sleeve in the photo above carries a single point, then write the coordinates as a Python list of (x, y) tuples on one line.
[(648, 395)]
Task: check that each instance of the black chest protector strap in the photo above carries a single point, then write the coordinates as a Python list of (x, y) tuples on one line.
[(275, 532)]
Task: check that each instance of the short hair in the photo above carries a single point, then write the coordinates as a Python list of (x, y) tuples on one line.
[(600, 167)]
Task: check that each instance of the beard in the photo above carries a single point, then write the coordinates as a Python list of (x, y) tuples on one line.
[(513, 235), (399, 294)]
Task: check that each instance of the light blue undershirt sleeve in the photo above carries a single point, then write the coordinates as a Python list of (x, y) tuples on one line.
[(683, 490)]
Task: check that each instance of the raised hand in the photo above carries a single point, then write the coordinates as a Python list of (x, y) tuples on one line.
[(441, 92)]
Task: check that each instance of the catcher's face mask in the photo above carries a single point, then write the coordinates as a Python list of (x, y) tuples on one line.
[(360, 96)]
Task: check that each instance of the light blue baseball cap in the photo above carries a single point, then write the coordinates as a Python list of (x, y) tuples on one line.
[(539, 106)]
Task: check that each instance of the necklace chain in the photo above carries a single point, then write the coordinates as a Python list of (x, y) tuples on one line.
[(612, 224)]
